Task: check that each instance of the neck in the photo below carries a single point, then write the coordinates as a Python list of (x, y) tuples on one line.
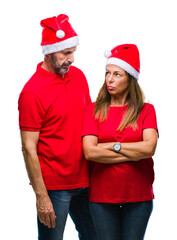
[(118, 101), (46, 65)]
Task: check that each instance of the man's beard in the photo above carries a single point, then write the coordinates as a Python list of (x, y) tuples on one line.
[(59, 69)]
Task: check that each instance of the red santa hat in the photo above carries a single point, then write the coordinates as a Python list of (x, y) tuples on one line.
[(125, 56), (57, 34)]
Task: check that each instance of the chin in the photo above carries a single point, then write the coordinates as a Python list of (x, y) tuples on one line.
[(65, 70)]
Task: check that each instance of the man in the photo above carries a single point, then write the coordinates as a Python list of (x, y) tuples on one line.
[(51, 108)]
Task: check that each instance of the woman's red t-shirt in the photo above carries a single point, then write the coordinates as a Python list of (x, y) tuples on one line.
[(123, 182)]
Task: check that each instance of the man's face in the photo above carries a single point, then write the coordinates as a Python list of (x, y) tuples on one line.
[(61, 61)]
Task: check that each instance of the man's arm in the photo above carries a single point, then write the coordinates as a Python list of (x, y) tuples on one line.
[(44, 205)]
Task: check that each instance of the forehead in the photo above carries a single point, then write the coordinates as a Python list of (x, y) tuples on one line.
[(114, 68), (65, 51), (72, 49)]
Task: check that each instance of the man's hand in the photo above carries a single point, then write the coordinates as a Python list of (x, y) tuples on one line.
[(45, 211)]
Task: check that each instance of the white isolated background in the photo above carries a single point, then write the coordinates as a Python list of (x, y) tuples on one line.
[(101, 25)]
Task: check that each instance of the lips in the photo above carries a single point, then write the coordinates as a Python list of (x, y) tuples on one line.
[(110, 87), (66, 64)]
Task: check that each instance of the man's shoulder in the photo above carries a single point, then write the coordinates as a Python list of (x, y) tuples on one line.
[(31, 83), (76, 70)]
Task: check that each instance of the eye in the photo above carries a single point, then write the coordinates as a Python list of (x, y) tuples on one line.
[(117, 74), (107, 73), (66, 53)]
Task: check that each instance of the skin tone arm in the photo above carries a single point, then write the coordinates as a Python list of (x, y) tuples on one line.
[(96, 153), (44, 205), (103, 152), (137, 150)]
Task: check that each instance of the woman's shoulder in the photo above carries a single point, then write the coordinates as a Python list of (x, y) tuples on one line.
[(147, 108)]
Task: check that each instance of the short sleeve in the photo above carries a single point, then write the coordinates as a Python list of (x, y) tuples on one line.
[(150, 120), (31, 112), (90, 125), (87, 97)]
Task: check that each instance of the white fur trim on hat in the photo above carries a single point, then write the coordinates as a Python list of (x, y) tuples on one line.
[(124, 65), (59, 46)]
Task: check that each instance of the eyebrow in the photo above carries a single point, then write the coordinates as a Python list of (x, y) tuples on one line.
[(67, 52), (117, 71)]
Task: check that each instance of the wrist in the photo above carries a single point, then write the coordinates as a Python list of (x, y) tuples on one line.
[(117, 147), (41, 194)]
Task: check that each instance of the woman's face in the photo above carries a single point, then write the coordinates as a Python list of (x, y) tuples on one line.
[(116, 81)]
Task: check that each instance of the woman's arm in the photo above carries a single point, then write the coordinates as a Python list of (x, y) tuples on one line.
[(95, 153), (137, 150)]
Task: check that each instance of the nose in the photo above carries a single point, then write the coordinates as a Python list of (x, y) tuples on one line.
[(71, 58), (110, 78)]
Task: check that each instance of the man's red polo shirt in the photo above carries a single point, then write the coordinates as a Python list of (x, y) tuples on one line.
[(54, 106)]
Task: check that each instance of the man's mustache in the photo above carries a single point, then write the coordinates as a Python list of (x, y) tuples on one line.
[(66, 64)]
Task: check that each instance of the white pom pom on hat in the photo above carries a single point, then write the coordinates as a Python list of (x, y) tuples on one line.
[(107, 53), (60, 34)]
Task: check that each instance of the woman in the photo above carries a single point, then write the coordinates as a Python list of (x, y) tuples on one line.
[(120, 137)]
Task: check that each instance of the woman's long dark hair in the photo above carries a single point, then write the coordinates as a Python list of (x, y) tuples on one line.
[(135, 100)]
